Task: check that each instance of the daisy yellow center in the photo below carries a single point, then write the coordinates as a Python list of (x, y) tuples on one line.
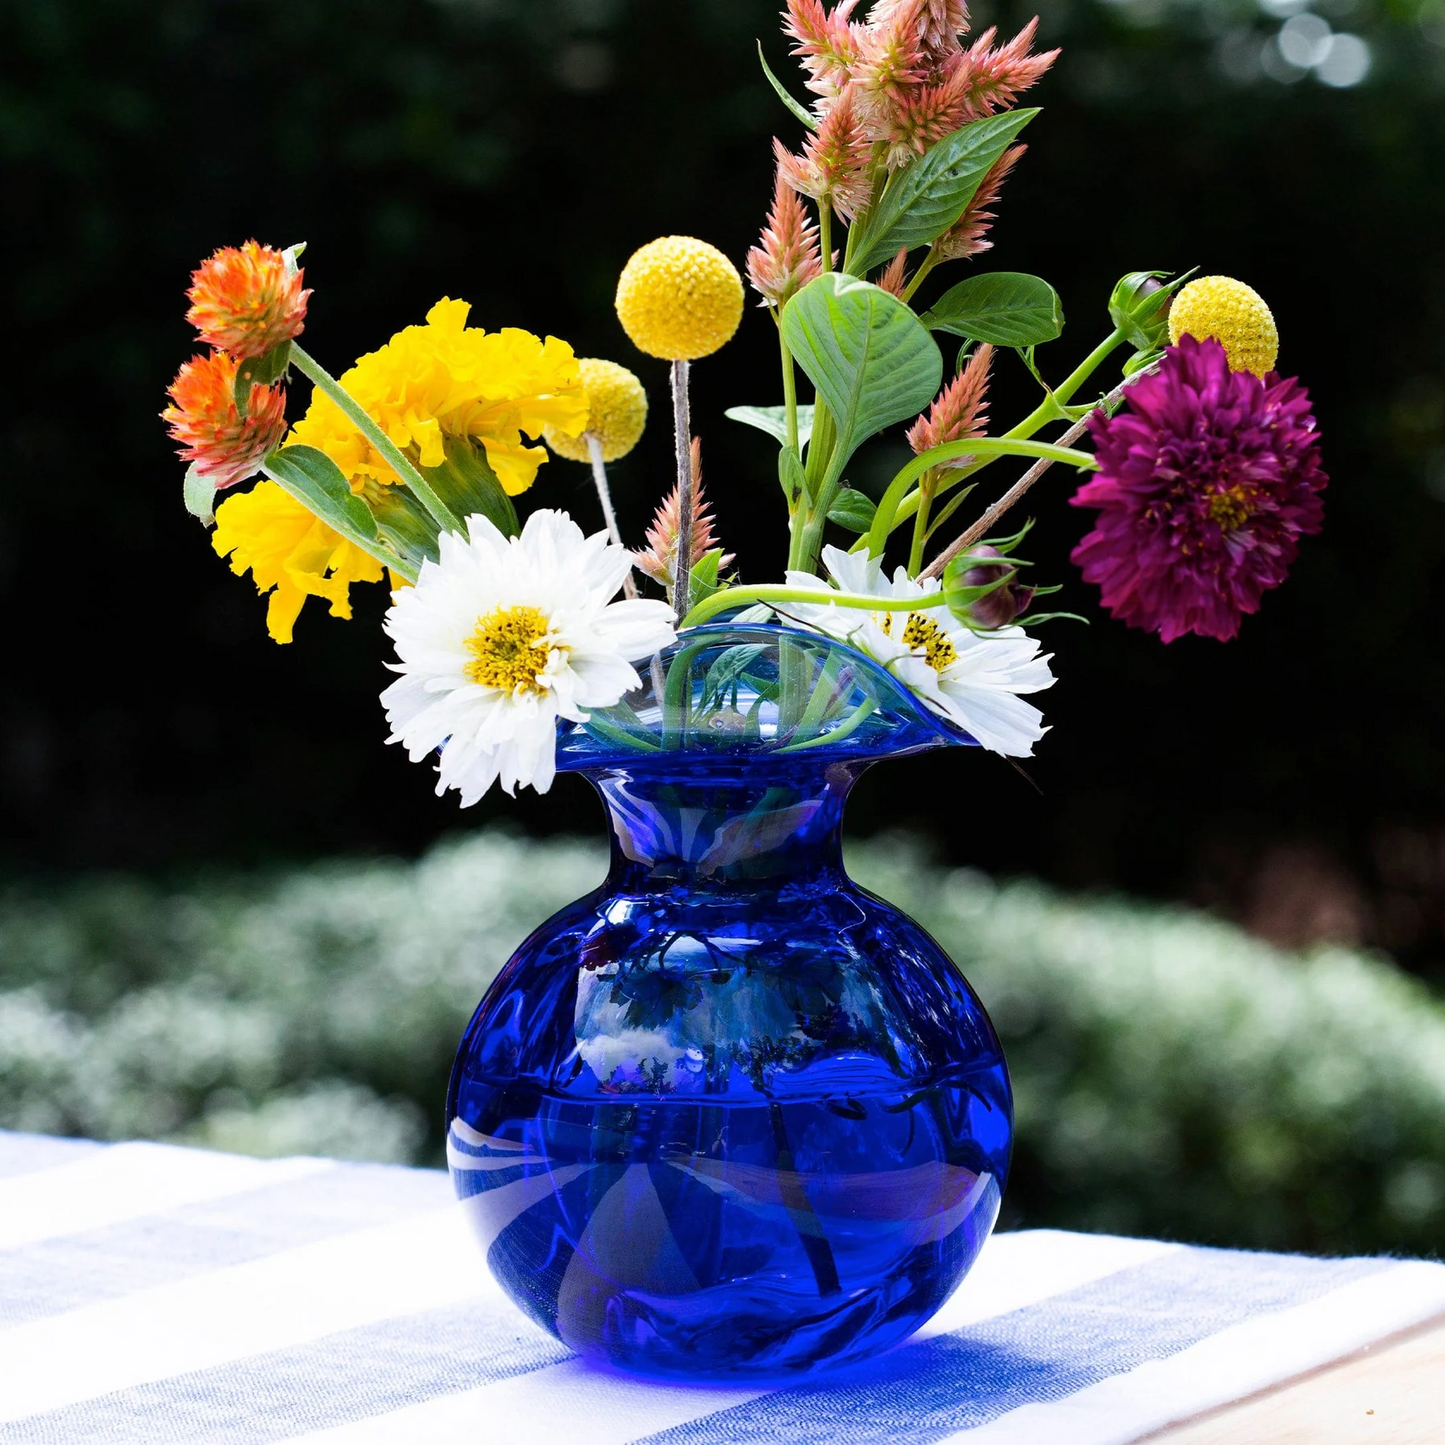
[(1231, 509), (921, 631), (510, 650)]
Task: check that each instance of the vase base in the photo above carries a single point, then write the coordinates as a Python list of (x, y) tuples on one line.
[(756, 1243)]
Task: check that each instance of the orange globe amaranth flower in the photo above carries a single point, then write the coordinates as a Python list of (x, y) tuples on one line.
[(247, 300), (222, 445)]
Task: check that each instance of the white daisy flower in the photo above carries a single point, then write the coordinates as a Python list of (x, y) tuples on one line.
[(501, 637), (973, 678)]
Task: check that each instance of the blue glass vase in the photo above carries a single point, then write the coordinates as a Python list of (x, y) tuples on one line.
[(732, 1116)]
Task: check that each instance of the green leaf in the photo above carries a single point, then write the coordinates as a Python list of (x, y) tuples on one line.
[(1005, 308), (466, 483), (200, 497), (871, 359), (1140, 361), (317, 482), (729, 668), (922, 202), (704, 576), (797, 107), (791, 476), (851, 509), (260, 371), (402, 521), (774, 420)]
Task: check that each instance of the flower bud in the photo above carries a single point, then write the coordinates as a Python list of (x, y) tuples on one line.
[(984, 594), (247, 300), (1138, 309)]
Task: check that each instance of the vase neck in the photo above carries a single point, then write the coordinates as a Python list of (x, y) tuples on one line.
[(715, 826)]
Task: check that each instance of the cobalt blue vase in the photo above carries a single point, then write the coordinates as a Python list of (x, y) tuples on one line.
[(732, 1116)]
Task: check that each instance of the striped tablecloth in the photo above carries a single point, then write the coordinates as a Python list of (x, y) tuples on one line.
[(149, 1293)]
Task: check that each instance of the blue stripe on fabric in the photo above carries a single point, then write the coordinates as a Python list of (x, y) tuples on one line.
[(29, 1153), (923, 1393), (65, 1273), (354, 1375)]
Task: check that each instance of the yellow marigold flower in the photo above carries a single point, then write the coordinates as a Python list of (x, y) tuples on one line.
[(616, 413), (450, 379), (679, 299), (1233, 314), (290, 553)]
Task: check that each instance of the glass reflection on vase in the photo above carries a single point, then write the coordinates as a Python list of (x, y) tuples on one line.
[(730, 1115)]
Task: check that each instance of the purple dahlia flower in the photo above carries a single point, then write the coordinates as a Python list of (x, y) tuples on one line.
[(1206, 482)]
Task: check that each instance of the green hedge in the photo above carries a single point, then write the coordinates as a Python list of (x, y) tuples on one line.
[(1173, 1076)]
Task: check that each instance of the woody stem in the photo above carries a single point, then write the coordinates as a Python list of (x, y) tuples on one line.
[(604, 495), (682, 423), (980, 528)]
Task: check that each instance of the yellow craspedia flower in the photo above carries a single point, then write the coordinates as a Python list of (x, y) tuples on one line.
[(290, 553), (679, 299), (616, 413), (450, 379), (1232, 313)]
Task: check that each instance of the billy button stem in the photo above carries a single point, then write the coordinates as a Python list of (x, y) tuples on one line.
[(680, 299)]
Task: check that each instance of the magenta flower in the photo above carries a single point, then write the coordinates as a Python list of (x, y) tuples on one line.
[(1207, 480)]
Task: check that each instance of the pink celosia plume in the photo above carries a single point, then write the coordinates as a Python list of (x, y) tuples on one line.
[(993, 77), (960, 410), (786, 257), (833, 168), (902, 76), (939, 23), (827, 42), (659, 560), (893, 60), (895, 276), (966, 237)]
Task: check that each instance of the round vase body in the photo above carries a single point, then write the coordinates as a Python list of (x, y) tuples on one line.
[(731, 1115)]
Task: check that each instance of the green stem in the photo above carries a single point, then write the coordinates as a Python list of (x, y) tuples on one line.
[(920, 523), (372, 546), (677, 696), (822, 695), (921, 274), (790, 392), (877, 184), (774, 592), (885, 519), (859, 715), (825, 233), (812, 538), (1051, 408), (394, 457)]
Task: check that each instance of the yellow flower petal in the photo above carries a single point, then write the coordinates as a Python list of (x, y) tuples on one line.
[(290, 554), (515, 465), (616, 413), (450, 379)]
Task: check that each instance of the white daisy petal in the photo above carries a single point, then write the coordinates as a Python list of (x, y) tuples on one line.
[(974, 679), (502, 636)]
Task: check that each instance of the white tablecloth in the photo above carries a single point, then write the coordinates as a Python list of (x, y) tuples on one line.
[(154, 1294)]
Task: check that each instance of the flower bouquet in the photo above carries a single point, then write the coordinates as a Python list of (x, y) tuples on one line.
[(729, 1115)]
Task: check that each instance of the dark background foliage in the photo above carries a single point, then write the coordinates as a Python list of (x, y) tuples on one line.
[(514, 152)]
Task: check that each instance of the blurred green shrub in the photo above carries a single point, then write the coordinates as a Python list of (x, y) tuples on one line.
[(1174, 1076)]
